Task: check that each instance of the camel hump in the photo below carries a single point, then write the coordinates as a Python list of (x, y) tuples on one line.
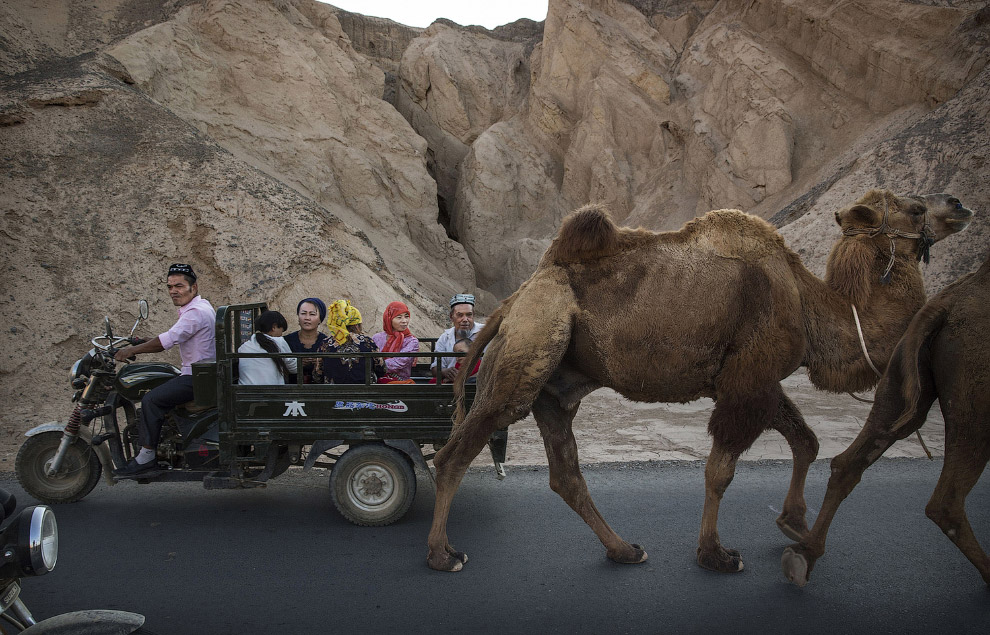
[(587, 233), (736, 234)]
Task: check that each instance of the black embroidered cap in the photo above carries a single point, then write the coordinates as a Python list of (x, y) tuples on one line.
[(182, 270)]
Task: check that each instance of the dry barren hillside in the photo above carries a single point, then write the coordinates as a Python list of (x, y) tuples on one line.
[(287, 148)]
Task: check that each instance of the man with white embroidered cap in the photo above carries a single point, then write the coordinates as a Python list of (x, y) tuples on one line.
[(193, 332), (464, 327)]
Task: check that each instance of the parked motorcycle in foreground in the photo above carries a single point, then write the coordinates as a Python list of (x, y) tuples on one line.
[(29, 547)]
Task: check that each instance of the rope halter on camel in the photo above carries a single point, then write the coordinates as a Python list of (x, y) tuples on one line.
[(925, 238)]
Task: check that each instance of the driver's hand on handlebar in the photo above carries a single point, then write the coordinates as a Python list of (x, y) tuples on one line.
[(123, 355)]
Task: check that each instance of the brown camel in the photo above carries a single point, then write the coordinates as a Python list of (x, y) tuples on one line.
[(721, 309), (943, 355)]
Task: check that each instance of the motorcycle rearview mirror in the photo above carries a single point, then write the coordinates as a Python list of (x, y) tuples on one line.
[(106, 325), (142, 315)]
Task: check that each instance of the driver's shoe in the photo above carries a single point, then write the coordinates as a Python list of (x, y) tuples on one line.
[(133, 468)]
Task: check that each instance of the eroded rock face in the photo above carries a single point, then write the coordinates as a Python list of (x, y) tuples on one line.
[(40, 32), (295, 100), (102, 189), (252, 138), (665, 110), (456, 83)]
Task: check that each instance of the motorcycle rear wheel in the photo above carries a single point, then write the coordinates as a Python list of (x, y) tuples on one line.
[(78, 475), (372, 485)]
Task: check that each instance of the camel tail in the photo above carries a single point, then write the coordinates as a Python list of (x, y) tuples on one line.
[(586, 234), (926, 323), (485, 335)]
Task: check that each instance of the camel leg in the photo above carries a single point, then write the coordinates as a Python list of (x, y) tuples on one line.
[(847, 469), (566, 479), (451, 462), (518, 363), (965, 460), (734, 425), (804, 447)]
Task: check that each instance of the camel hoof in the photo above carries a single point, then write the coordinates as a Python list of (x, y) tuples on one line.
[(450, 560), (630, 554), (720, 560), (795, 567), (796, 531)]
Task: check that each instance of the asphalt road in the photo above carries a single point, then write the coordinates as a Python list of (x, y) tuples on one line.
[(281, 560)]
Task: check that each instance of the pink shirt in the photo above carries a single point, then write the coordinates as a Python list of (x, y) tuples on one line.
[(400, 367), (193, 332)]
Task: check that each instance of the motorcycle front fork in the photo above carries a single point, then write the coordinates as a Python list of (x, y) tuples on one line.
[(67, 439), (21, 613)]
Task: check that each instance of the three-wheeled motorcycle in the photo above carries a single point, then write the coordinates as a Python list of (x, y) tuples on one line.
[(371, 436)]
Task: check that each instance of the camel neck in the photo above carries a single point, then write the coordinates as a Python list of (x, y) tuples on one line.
[(834, 356)]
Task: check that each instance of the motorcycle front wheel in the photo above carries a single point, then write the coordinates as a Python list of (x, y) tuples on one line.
[(77, 476), (8, 624)]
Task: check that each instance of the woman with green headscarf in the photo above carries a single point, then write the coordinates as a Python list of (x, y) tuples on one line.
[(344, 323)]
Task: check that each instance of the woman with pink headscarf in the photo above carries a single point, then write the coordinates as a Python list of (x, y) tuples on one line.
[(396, 338)]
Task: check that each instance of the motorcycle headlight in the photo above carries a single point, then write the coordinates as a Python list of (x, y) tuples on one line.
[(38, 540), (82, 367)]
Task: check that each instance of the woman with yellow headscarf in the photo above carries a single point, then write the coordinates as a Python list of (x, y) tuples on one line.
[(344, 324)]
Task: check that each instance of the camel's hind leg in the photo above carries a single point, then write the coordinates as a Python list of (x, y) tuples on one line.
[(566, 478), (451, 462), (804, 446), (966, 457), (518, 363)]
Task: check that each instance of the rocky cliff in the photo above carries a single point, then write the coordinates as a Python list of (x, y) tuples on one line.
[(288, 148), (665, 110)]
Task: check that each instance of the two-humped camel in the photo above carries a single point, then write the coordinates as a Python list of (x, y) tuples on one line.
[(944, 355), (721, 309)]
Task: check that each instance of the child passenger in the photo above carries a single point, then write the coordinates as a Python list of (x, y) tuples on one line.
[(260, 371), (463, 345)]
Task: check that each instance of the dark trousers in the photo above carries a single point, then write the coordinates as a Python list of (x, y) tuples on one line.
[(157, 403)]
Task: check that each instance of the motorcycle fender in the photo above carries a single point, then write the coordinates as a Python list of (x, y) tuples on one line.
[(409, 447), (97, 622), (102, 452)]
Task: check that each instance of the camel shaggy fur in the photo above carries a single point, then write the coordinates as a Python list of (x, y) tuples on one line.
[(943, 355), (721, 309)]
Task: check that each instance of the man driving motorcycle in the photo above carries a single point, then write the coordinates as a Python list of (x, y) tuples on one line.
[(194, 333)]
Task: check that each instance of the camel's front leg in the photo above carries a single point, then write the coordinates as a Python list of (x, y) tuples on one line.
[(566, 479), (847, 470), (719, 470)]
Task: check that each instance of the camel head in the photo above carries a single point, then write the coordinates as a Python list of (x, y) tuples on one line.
[(904, 224)]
